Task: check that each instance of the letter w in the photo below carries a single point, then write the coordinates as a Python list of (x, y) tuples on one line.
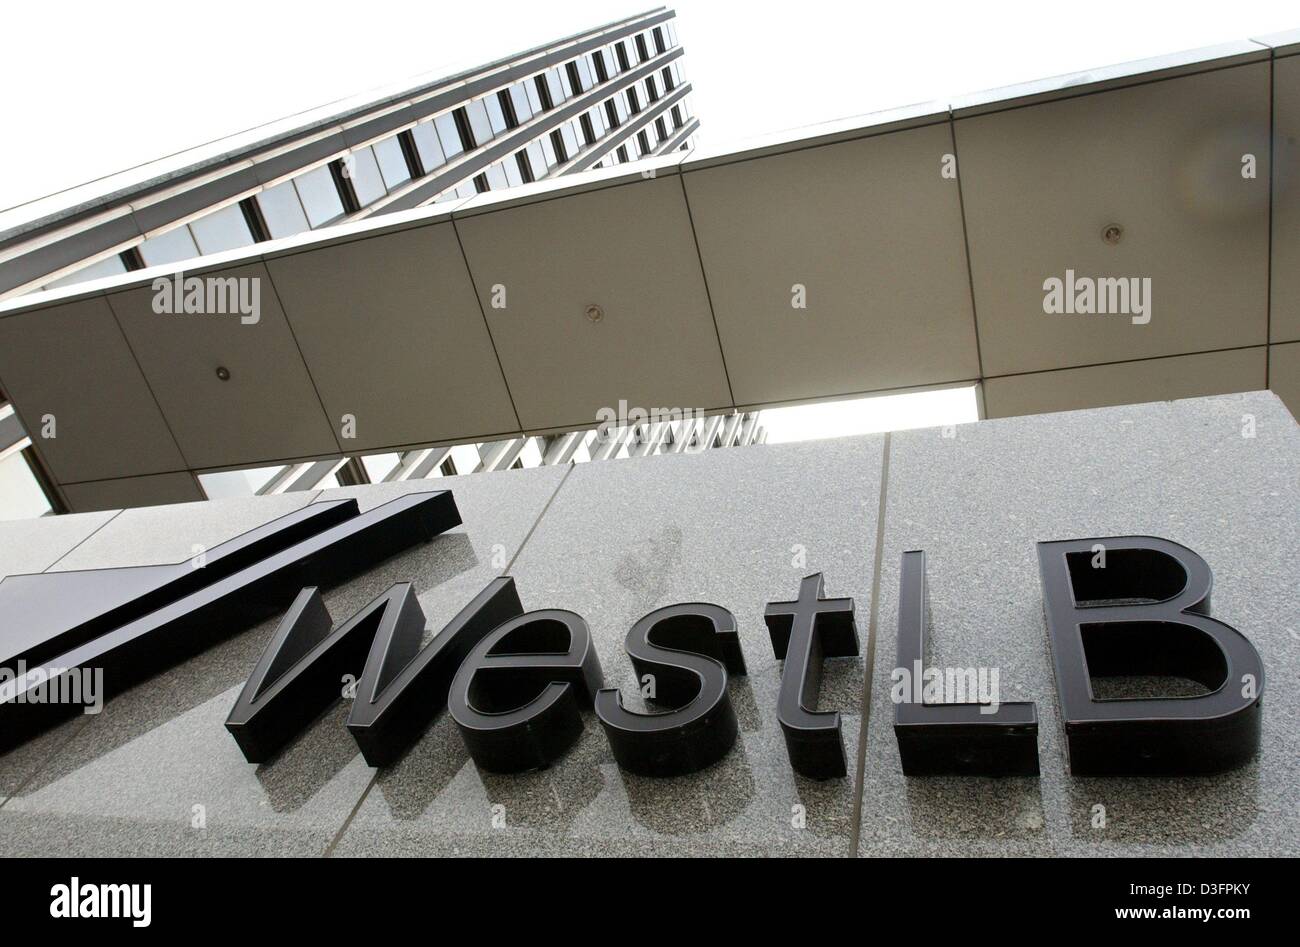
[(401, 688)]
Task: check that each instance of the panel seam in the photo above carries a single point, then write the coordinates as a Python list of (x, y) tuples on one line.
[(869, 659)]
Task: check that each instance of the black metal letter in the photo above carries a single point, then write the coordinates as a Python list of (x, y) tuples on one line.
[(965, 739), (516, 697), (686, 650), (401, 686), (804, 632), (1144, 609)]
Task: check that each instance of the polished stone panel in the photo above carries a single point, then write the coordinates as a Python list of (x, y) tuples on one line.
[(154, 535), (128, 781), (977, 502), (37, 544), (740, 527), (623, 538)]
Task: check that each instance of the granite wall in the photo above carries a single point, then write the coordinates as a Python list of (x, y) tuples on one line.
[(157, 773)]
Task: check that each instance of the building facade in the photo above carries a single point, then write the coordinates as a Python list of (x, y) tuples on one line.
[(1122, 236), (612, 95)]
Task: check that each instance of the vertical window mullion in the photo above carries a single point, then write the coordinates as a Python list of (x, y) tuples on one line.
[(343, 184), (254, 219), (412, 154)]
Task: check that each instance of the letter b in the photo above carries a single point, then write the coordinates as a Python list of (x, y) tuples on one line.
[(1147, 613)]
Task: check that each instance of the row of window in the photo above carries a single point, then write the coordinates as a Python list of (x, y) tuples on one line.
[(331, 192)]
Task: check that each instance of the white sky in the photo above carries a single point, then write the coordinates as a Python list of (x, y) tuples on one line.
[(93, 87), (870, 415)]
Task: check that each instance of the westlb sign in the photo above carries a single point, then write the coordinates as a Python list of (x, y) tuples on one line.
[(516, 682)]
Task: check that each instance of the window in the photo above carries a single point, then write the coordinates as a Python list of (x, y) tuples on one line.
[(523, 108), (253, 220), (109, 266), (620, 51), (510, 166), (363, 174), (411, 154), (551, 159), (611, 114), (427, 146), (392, 162), (651, 89), (669, 82), (282, 210), (536, 159), (170, 247), (557, 145), (677, 116), (497, 177), (224, 229), (556, 86), (448, 135), (660, 47), (479, 123), (622, 154), (507, 106), (642, 52), (569, 131), (633, 103), (481, 183), (544, 93), (496, 114), (662, 128), (525, 166), (598, 62), (464, 132), (643, 140), (448, 468), (532, 88), (341, 175), (576, 86), (588, 130)]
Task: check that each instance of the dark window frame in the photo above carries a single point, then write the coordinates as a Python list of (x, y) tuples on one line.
[(557, 145), (411, 154), (343, 184), (508, 109), (543, 92), (464, 129), (525, 166), (575, 77), (253, 218)]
